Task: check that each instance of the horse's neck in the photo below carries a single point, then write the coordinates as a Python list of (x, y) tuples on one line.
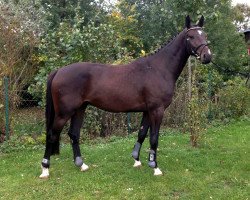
[(171, 59)]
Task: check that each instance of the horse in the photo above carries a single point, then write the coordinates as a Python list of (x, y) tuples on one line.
[(145, 85)]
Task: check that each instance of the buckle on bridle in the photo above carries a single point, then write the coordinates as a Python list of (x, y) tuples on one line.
[(197, 48)]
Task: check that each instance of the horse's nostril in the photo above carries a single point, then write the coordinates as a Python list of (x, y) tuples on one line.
[(206, 58)]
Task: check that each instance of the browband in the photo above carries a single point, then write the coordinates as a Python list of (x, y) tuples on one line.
[(193, 28)]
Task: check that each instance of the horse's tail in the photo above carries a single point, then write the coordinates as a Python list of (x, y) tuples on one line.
[(50, 115)]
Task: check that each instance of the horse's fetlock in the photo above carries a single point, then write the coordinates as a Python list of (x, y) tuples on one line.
[(152, 159), (78, 161), (45, 163), (136, 151), (152, 164)]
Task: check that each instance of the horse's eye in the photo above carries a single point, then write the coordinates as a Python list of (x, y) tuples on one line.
[(191, 37)]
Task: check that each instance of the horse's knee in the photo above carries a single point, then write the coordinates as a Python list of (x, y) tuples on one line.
[(74, 138), (70, 135), (51, 137)]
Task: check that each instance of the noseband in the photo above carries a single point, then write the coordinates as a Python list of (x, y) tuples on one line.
[(189, 47)]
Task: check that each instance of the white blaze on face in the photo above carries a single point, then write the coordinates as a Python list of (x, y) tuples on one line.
[(200, 32), (209, 52)]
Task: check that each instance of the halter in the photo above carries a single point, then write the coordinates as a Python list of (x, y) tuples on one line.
[(188, 46)]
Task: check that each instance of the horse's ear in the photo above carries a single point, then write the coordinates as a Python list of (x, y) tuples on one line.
[(201, 21), (188, 22)]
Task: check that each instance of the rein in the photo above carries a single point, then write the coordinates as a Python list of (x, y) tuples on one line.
[(203, 45), (231, 72)]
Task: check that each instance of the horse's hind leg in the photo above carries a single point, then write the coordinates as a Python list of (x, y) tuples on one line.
[(52, 144), (74, 134), (141, 137)]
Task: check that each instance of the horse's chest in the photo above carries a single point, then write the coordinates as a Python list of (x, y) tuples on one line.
[(167, 99), (166, 95)]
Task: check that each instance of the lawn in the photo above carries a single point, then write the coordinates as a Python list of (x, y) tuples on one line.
[(218, 169)]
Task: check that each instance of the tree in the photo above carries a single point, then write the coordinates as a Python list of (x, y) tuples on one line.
[(241, 16), (160, 20), (126, 27), (18, 39), (58, 11), (227, 43)]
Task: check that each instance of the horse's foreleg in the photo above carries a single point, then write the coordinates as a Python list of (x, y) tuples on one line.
[(74, 134), (141, 137), (155, 117), (52, 144)]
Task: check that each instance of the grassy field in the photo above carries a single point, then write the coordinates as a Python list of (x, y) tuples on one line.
[(219, 169)]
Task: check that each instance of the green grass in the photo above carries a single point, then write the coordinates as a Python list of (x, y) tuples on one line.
[(219, 169)]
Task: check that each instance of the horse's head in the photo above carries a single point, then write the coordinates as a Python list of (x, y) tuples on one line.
[(196, 41)]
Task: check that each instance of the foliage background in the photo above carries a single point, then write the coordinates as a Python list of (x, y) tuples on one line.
[(38, 36)]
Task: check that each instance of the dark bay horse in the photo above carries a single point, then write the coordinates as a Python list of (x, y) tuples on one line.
[(146, 85)]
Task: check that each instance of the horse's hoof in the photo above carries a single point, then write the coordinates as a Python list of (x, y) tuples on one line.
[(43, 177), (84, 167), (137, 163), (157, 172), (45, 173)]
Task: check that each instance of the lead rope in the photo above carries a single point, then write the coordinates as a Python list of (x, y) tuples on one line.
[(243, 74)]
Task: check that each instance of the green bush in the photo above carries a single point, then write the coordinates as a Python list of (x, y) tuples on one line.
[(69, 44), (233, 100), (17, 143)]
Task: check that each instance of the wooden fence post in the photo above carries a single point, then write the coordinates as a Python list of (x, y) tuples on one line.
[(129, 123), (6, 94)]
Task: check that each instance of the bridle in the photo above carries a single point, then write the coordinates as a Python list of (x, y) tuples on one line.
[(190, 48)]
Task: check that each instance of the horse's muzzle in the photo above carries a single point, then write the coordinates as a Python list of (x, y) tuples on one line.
[(206, 56)]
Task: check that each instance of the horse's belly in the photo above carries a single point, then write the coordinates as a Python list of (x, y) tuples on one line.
[(119, 104)]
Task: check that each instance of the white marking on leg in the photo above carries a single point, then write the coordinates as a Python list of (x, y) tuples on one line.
[(137, 163), (157, 172), (45, 173), (84, 167)]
